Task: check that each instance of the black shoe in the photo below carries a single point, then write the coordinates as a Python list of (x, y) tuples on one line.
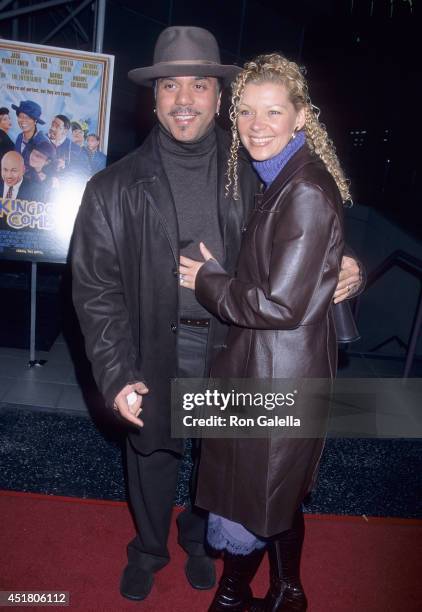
[(200, 572), (136, 582)]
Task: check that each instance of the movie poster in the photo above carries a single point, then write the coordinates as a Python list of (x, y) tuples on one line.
[(54, 117)]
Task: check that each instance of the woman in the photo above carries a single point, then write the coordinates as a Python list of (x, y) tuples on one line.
[(29, 117), (279, 308)]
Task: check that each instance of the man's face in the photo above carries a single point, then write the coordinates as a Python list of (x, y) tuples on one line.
[(186, 106), (57, 130), (92, 143), (26, 123), (12, 168), (5, 123)]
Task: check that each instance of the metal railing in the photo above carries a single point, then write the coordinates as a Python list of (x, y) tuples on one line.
[(413, 266)]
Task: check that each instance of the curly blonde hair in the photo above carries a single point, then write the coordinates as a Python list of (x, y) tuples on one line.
[(276, 68)]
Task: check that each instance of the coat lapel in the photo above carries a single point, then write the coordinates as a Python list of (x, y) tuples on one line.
[(149, 171)]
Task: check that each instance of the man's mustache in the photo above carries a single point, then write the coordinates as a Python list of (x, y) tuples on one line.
[(184, 110)]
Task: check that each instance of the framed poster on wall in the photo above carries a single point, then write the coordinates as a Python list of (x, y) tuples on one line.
[(54, 119)]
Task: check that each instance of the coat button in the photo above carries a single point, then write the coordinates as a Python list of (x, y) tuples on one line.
[(175, 272), (173, 327), (243, 229)]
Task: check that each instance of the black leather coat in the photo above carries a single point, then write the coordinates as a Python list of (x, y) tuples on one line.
[(125, 262)]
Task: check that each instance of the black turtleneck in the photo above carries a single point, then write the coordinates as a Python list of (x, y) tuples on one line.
[(191, 169)]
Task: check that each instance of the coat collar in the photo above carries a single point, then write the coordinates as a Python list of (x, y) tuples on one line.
[(148, 169), (148, 165), (300, 159)]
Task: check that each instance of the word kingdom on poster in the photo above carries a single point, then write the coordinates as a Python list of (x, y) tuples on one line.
[(54, 118)]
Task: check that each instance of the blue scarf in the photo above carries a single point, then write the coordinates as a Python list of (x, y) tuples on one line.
[(270, 168)]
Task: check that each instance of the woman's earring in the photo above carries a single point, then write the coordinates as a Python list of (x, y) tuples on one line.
[(296, 130), (155, 111)]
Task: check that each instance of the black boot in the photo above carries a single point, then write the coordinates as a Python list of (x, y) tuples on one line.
[(234, 593), (286, 592)]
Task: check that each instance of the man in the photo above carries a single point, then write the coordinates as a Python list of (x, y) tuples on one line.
[(67, 152), (14, 185), (95, 160), (6, 143), (140, 328)]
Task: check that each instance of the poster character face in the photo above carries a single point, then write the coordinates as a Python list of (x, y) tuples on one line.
[(186, 106), (5, 122), (26, 123), (12, 168), (37, 160), (92, 142), (57, 131), (78, 137)]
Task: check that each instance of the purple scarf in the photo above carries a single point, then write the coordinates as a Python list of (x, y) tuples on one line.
[(270, 168)]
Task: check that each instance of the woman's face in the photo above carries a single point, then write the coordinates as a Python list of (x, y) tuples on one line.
[(267, 119), (26, 123), (5, 123)]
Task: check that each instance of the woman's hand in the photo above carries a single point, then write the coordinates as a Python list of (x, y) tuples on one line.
[(189, 268), (349, 279)]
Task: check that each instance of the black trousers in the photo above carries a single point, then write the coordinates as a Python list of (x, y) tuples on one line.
[(152, 480)]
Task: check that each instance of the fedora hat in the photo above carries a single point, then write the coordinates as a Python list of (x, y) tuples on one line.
[(185, 51), (30, 108)]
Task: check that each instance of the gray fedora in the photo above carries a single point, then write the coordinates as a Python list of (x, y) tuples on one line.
[(185, 51)]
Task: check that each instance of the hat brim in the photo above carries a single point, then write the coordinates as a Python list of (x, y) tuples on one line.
[(18, 110), (146, 76)]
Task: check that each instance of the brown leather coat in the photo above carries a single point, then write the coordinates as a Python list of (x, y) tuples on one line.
[(279, 306)]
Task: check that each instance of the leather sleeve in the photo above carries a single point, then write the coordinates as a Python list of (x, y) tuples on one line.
[(99, 300), (299, 250)]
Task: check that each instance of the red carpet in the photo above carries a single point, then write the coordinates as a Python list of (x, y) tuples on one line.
[(55, 543)]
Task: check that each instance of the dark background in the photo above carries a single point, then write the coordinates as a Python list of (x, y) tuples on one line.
[(361, 56), (363, 65)]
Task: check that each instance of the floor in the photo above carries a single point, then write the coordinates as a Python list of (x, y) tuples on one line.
[(52, 386), (56, 385), (56, 438)]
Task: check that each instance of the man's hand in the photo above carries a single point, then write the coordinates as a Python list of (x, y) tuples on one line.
[(349, 279), (189, 268), (128, 410)]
